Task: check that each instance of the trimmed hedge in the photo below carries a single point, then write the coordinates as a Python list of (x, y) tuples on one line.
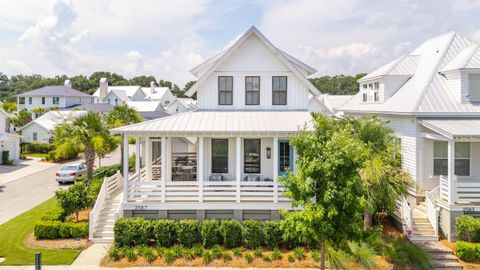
[(253, 233), (164, 232), (468, 252), (210, 231), (467, 228), (187, 232), (273, 233), (58, 229), (34, 147), (131, 232), (232, 234), (54, 215)]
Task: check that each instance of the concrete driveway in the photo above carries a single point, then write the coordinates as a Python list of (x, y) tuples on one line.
[(32, 184)]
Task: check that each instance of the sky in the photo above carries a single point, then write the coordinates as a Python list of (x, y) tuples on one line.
[(168, 38)]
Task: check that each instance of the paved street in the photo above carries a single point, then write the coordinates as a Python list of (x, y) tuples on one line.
[(21, 191)]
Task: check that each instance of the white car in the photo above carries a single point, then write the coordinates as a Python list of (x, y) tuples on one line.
[(70, 172)]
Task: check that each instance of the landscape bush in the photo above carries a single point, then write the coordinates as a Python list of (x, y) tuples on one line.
[(210, 232), (58, 229), (74, 199), (231, 231), (35, 147), (164, 232), (54, 215), (130, 232), (273, 233), (468, 252), (253, 233), (187, 232), (467, 228)]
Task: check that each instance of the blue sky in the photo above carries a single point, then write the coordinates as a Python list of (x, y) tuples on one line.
[(167, 38)]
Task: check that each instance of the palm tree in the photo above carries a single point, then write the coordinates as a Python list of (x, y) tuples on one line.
[(84, 131), (122, 115), (384, 180)]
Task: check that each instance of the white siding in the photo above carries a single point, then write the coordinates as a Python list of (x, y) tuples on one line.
[(43, 136), (138, 96)]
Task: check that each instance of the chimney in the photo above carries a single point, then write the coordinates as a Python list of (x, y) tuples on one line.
[(152, 87), (103, 89), (67, 84)]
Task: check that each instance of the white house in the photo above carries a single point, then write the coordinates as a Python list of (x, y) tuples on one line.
[(180, 105), (42, 128), (223, 159), (8, 141), (52, 97), (115, 95), (148, 109), (431, 98)]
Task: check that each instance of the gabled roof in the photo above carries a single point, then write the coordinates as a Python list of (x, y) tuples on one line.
[(454, 128), (468, 58), (427, 92), (145, 106), (207, 68), (54, 91), (96, 107), (51, 119), (121, 94), (158, 93), (129, 90), (405, 65), (186, 102)]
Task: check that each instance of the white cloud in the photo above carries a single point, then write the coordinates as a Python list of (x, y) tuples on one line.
[(402, 48)]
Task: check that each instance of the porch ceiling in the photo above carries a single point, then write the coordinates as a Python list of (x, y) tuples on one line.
[(455, 128), (222, 122)]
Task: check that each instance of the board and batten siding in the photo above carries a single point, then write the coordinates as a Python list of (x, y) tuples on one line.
[(253, 58)]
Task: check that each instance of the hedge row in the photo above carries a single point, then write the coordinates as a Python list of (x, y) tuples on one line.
[(58, 229), (130, 232), (468, 252), (34, 147), (467, 228)]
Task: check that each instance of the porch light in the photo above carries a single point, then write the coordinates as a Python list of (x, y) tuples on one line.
[(269, 152)]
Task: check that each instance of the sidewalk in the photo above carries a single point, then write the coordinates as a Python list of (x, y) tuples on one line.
[(22, 169)]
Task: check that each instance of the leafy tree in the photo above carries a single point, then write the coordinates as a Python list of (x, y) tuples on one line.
[(143, 80), (327, 185), (9, 106), (103, 146), (74, 199), (22, 118), (188, 85), (39, 111), (338, 84), (83, 131)]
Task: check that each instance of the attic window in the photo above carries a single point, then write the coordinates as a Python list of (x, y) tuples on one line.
[(364, 86), (474, 87)]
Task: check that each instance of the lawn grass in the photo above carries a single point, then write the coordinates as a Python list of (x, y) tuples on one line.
[(14, 232), (36, 155)]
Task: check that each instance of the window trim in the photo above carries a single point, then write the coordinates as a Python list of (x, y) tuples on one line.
[(213, 140), (35, 136), (43, 100), (56, 98), (290, 156), (30, 100), (286, 91), (456, 158), (252, 91), (218, 90), (259, 159)]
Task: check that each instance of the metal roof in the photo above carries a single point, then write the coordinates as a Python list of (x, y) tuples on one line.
[(54, 91), (468, 58), (221, 122), (129, 90), (51, 119), (454, 128), (97, 107), (403, 66)]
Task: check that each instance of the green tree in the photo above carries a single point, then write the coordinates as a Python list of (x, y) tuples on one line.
[(83, 131), (338, 84), (9, 106), (143, 80), (39, 111), (326, 185), (22, 118), (74, 199)]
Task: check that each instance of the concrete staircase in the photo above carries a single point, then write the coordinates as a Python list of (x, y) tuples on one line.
[(103, 229), (441, 255), (422, 229)]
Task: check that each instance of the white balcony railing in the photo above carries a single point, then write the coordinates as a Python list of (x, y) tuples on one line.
[(465, 189), (406, 214), (431, 209)]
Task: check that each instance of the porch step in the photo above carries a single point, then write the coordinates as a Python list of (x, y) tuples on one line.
[(442, 256), (103, 229)]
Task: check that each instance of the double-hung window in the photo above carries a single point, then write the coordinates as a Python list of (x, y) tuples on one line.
[(279, 90), (462, 158), (252, 90), (285, 157), (43, 100), (251, 155), (219, 155), (225, 90), (30, 100), (56, 100)]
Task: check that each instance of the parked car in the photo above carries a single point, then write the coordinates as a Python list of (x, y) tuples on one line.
[(70, 172)]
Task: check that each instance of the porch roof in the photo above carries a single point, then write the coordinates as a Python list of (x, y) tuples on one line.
[(222, 122), (455, 128)]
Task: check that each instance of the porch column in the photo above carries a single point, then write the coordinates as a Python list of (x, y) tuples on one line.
[(451, 172), (125, 168), (238, 165), (164, 167), (148, 158), (275, 169), (200, 163), (137, 156)]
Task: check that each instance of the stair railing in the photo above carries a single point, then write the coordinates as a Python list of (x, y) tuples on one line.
[(431, 208), (407, 216)]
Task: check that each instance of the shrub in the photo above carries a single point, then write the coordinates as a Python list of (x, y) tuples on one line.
[(79, 230), (34, 147), (299, 253), (226, 256), (149, 255), (62, 152), (373, 237), (468, 252), (362, 254), (257, 252), (248, 257), (316, 256), (114, 253), (467, 228), (276, 254), (337, 259), (169, 256), (406, 255), (164, 231), (178, 251), (54, 215), (47, 229), (231, 231), (217, 252), (73, 200), (290, 258), (197, 250), (237, 252), (273, 233), (93, 188), (131, 232), (253, 233), (130, 254), (210, 231), (207, 256), (266, 258), (64, 230), (189, 254), (187, 232)]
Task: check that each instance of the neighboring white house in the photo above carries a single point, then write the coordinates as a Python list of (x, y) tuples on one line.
[(52, 97), (180, 105), (115, 95), (42, 128), (8, 141), (223, 159), (148, 109), (431, 98)]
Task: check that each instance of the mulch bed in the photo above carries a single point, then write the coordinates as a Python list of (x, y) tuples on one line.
[(57, 243)]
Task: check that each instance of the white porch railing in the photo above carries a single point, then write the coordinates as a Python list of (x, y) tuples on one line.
[(109, 186), (222, 191), (466, 189), (431, 209), (406, 214), (444, 188)]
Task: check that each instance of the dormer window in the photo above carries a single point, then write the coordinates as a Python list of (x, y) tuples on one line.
[(225, 90), (474, 87)]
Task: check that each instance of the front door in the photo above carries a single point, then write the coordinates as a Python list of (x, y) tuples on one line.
[(285, 157)]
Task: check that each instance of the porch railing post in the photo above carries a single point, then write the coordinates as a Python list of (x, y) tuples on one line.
[(148, 158), (137, 156), (275, 169), (164, 167), (238, 165), (451, 172), (125, 168), (200, 168)]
